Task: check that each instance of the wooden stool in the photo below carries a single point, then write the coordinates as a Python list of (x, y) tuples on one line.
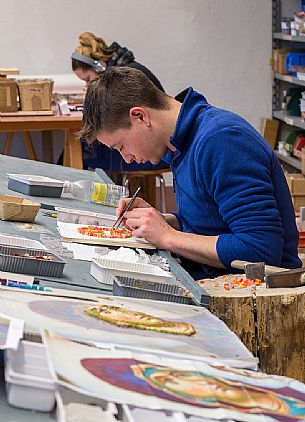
[(270, 322), (147, 180)]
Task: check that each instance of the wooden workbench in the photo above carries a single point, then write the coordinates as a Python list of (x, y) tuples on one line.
[(46, 124)]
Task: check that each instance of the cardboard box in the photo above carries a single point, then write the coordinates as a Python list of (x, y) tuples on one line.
[(16, 208), (8, 94), (35, 94), (296, 183), (269, 131), (298, 201), (279, 61), (296, 186)]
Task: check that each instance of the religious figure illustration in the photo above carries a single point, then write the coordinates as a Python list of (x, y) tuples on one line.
[(198, 388)]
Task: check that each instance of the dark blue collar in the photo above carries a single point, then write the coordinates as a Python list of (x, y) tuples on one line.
[(192, 104)]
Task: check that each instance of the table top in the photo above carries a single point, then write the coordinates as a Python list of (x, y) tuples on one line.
[(29, 123), (76, 273), (75, 116), (22, 166)]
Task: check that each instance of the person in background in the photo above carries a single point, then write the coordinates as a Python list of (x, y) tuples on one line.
[(91, 58), (232, 196)]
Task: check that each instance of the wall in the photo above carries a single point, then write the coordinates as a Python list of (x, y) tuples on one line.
[(220, 47)]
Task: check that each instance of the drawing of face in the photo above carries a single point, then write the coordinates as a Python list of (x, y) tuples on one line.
[(187, 384), (192, 387)]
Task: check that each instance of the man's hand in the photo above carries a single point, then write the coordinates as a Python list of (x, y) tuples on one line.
[(138, 203), (148, 223)]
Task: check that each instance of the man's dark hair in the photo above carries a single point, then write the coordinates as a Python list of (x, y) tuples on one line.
[(110, 97)]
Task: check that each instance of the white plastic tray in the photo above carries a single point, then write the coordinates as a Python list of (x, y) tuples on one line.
[(36, 180), (68, 215), (137, 414), (9, 240), (28, 380), (102, 270), (65, 397)]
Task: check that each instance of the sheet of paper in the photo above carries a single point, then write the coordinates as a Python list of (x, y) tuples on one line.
[(167, 383), (84, 252)]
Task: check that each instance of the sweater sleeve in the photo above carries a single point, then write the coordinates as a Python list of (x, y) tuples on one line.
[(237, 175)]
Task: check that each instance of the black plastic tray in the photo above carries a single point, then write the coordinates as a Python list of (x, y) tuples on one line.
[(25, 265), (141, 289), (34, 190)]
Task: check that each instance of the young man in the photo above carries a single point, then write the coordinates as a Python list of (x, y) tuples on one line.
[(232, 197)]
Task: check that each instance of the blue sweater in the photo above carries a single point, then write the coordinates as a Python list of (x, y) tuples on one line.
[(228, 182)]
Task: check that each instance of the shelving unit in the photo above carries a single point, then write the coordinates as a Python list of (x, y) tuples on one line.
[(284, 37), (289, 79), (289, 120), (290, 161), (280, 8)]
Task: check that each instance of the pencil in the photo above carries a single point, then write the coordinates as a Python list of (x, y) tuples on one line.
[(121, 216)]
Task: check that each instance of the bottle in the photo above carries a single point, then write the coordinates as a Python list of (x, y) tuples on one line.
[(98, 193)]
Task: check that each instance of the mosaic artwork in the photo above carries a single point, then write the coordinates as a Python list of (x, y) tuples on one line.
[(193, 387)]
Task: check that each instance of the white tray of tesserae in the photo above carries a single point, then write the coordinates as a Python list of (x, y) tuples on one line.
[(7, 239), (69, 231), (103, 269)]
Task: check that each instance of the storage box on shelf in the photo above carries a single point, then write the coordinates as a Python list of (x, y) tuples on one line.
[(296, 184), (8, 94), (35, 94)]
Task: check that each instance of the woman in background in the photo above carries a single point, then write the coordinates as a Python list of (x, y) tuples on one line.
[(91, 58)]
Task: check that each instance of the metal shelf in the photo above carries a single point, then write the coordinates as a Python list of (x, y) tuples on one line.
[(280, 36), (289, 120), (290, 79), (293, 162)]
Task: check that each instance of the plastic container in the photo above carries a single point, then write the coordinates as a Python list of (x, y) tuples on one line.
[(65, 397), (141, 289), (23, 242), (293, 61), (139, 414), (26, 265), (67, 215), (15, 208), (99, 193), (29, 383), (103, 269), (35, 185)]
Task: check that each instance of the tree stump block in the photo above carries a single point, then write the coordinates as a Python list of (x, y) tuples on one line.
[(270, 322)]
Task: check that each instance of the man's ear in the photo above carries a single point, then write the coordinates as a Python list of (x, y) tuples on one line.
[(139, 115)]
